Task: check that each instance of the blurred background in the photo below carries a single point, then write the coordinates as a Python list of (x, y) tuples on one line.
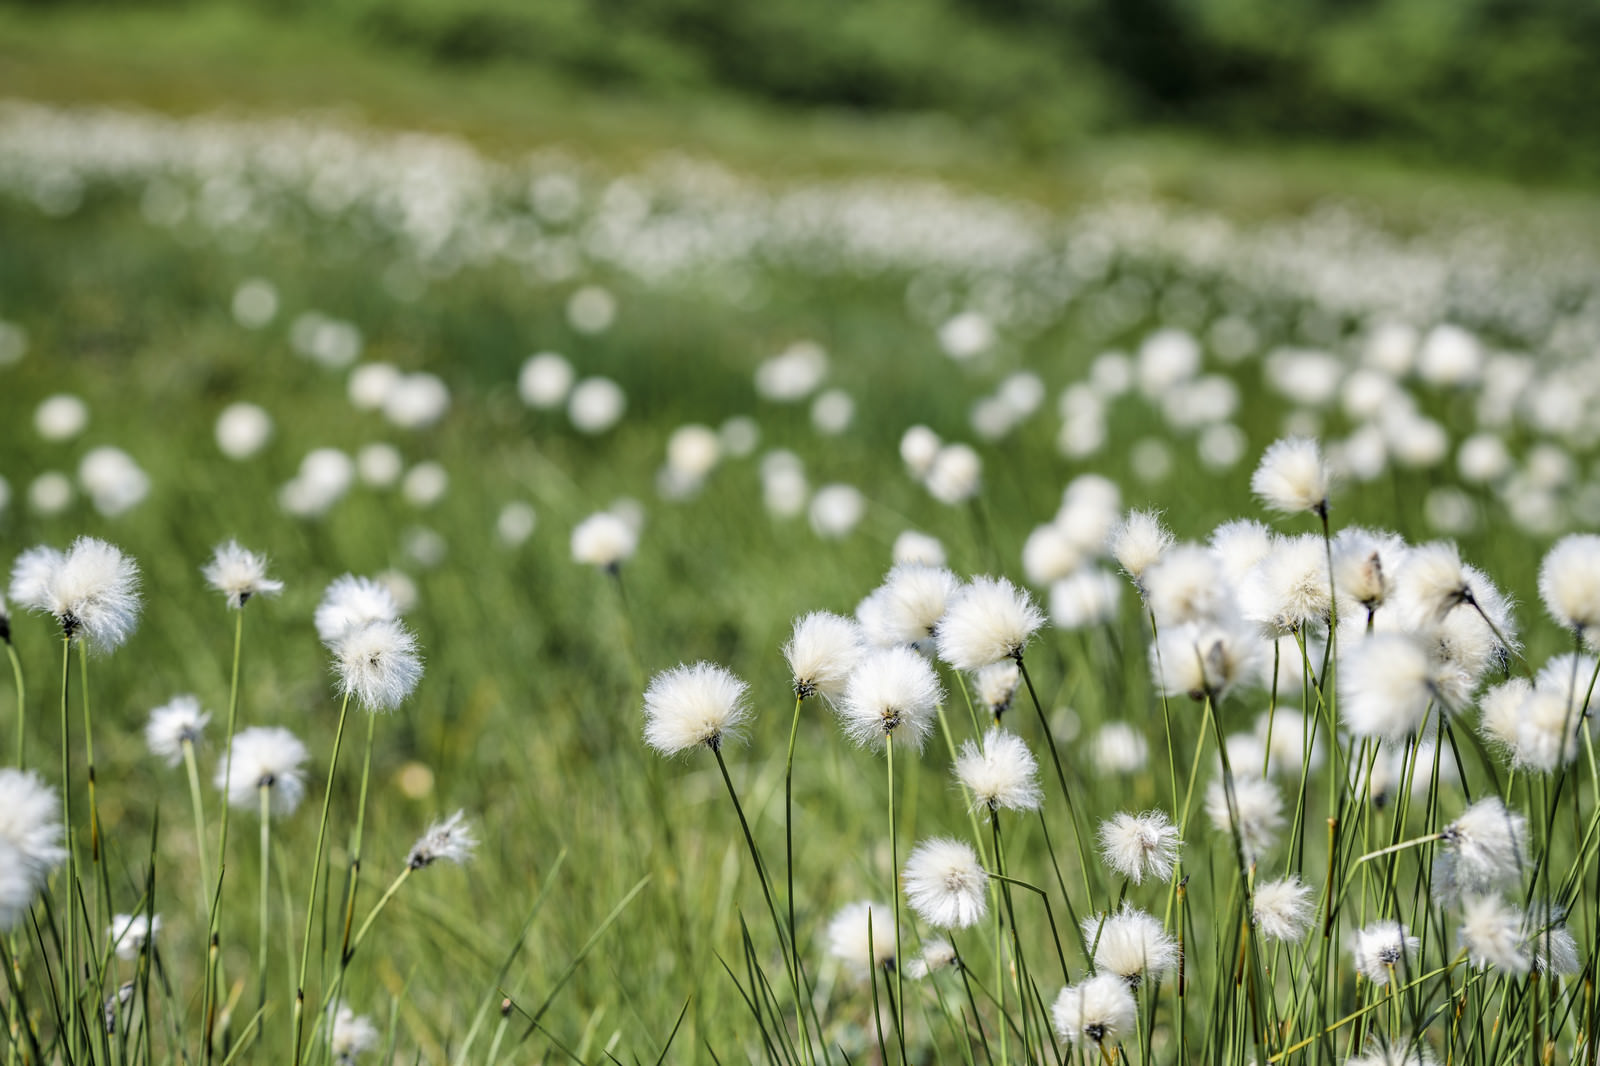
[(1502, 86)]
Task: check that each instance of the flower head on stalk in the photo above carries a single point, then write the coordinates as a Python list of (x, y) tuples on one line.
[(861, 935), (351, 602), (892, 694), (451, 840), (92, 589), (130, 934), (1097, 1011), (265, 757), (1292, 477), (175, 723), (378, 664), (946, 885), (824, 649), (239, 574), (692, 705), (1000, 773), (1140, 845), (986, 622)]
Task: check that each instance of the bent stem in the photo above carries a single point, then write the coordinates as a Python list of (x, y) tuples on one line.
[(316, 877), (1061, 776)]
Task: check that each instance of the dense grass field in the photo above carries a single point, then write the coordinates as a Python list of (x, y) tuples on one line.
[(378, 295)]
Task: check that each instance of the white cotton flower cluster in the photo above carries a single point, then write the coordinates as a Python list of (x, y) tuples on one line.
[(946, 885), (1130, 944), (605, 540), (374, 655), (1137, 846), (861, 935), (952, 473), (451, 840), (239, 574), (822, 653), (92, 589), (31, 841), (691, 705), (173, 725), (1000, 773), (1541, 724), (266, 759)]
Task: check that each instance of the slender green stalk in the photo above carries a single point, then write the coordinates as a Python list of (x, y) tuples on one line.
[(1061, 777), (199, 821), (70, 961), (316, 877), (377, 908), (899, 1005), (361, 824), (788, 873), (22, 702), (213, 952), (264, 793)]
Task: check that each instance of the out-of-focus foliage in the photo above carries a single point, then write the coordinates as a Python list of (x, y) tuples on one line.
[(1495, 84)]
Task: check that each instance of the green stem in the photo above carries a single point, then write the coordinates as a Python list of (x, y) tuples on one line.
[(73, 890), (1061, 777), (788, 873), (265, 795), (22, 702), (213, 952), (199, 820), (899, 1005), (316, 877)]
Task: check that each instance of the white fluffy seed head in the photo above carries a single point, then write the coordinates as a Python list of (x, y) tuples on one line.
[(1239, 545), (350, 602), (451, 840), (690, 705), (1500, 712), (377, 664), (1490, 847), (175, 723), (1001, 773), (919, 445), (824, 649), (1365, 564), (1494, 935), (1187, 585), (955, 474), (1569, 582), (1288, 589), (130, 934), (986, 621), (1434, 579), (1137, 846), (1200, 659), (1387, 684), (92, 589), (1282, 909), (1384, 1052), (1555, 951), (1137, 542), (239, 574), (936, 955), (996, 686), (946, 884), (892, 694), (1087, 597), (1292, 477), (912, 546), (907, 607), (264, 757), (1097, 1012), (352, 1036), (1050, 554), (1119, 748), (605, 540), (30, 841), (861, 935), (1548, 732), (1130, 944), (1259, 808), (1382, 950)]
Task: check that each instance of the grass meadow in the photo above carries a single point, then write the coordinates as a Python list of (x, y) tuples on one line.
[(378, 295)]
